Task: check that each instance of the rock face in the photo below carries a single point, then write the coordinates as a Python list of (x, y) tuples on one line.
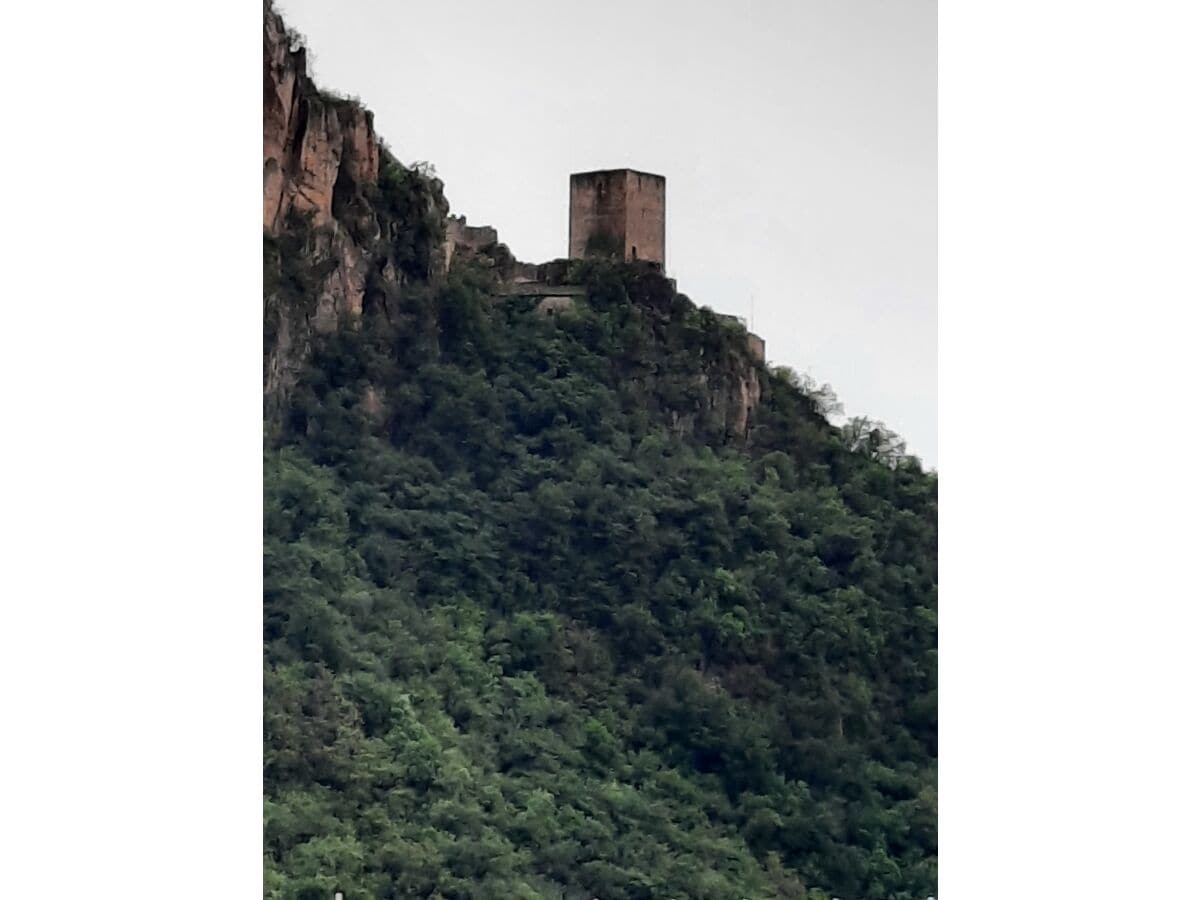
[(744, 395), (337, 228), (313, 147), (746, 388), (319, 156), (731, 391)]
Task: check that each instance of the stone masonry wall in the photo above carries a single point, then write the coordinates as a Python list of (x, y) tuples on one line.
[(597, 211), (619, 212), (645, 217)]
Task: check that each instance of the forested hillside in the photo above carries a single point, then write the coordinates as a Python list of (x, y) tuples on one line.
[(539, 623)]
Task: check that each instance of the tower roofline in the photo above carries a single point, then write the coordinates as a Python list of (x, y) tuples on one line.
[(618, 169)]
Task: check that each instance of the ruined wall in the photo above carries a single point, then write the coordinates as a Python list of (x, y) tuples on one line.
[(462, 238)]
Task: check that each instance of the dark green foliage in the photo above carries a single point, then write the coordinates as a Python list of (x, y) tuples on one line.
[(290, 278), (410, 212), (527, 636)]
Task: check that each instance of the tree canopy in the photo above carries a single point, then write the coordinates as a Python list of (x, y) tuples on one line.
[(537, 624)]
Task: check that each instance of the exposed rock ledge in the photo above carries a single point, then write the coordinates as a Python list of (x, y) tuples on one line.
[(314, 147)]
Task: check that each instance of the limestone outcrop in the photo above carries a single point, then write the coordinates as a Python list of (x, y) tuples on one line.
[(315, 147), (343, 221)]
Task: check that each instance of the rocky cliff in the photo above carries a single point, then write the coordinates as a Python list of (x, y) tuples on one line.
[(344, 223), (312, 144), (320, 155)]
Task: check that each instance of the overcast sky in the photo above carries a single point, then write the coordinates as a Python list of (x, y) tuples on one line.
[(798, 139)]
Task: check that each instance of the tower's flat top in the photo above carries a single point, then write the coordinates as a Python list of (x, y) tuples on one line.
[(615, 171)]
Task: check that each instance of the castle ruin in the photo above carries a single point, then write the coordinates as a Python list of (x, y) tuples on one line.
[(464, 238), (618, 213)]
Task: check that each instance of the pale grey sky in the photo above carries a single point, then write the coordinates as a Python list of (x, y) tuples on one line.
[(798, 139)]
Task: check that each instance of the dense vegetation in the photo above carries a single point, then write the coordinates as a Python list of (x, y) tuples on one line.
[(538, 626)]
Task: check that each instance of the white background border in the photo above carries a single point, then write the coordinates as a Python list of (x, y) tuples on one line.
[(1069, 249), (131, 370)]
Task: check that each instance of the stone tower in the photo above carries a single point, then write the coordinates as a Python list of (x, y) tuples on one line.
[(619, 213)]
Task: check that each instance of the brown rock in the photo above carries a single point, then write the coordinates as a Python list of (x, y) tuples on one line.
[(310, 140)]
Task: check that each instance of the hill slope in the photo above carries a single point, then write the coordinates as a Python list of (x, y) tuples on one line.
[(590, 604)]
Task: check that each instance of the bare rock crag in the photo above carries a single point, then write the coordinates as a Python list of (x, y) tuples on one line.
[(311, 146)]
